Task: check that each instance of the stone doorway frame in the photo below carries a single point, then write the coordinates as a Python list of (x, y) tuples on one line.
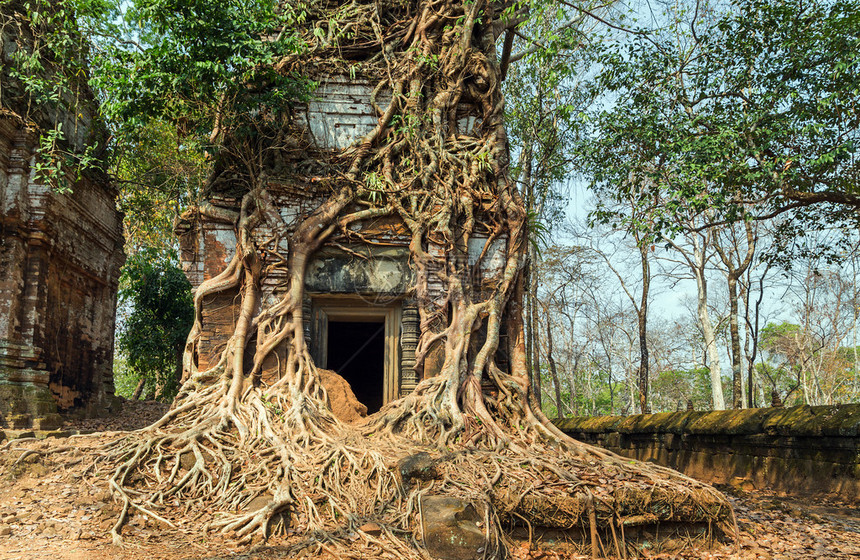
[(356, 309)]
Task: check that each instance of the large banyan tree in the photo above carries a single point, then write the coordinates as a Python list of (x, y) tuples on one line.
[(251, 439)]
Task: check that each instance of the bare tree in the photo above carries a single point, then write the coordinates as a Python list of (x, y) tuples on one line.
[(639, 298), (753, 281)]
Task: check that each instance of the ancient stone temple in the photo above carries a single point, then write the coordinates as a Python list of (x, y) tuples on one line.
[(361, 318), (60, 256)]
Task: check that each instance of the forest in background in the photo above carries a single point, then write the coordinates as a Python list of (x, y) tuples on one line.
[(695, 169), (798, 324)]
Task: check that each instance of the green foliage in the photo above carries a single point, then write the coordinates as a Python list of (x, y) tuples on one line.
[(849, 355), (195, 63), (152, 335), (781, 379), (802, 361), (178, 80), (159, 176), (606, 401), (192, 65), (125, 380), (602, 402), (46, 84), (774, 336), (724, 106), (542, 111)]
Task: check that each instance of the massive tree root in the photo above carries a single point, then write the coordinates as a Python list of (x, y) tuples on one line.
[(248, 454)]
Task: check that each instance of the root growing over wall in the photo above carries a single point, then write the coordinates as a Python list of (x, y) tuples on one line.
[(261, 455)]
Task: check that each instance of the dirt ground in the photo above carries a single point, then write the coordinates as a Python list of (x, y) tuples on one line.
[(51, 508)]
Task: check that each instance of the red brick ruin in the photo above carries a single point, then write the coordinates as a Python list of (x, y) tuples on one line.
[(60, 256)]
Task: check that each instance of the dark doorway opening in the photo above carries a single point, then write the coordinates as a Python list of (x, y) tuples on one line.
[(356, 351)]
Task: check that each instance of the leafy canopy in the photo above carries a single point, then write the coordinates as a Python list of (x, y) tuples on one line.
[(195, 62), (732, 111)]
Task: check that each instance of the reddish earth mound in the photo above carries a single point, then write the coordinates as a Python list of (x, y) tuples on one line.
[(341, 399)]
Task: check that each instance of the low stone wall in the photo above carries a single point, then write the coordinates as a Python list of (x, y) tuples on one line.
[(804, 450)]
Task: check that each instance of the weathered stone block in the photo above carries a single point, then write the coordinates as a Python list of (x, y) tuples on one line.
[(453, 528), (728, 422)]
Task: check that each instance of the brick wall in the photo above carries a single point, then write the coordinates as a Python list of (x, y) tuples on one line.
[(59, 267)]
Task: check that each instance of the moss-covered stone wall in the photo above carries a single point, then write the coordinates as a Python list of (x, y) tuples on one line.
[(804, 450)]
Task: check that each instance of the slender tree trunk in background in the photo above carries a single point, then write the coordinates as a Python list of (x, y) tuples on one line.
[(804, 384), (534, 332), (749, 381), (734, 332), (611, 392), (749, 352), (532, 323), (590, 394), (639, 378), (552, 368), (856, 306), (856, 367), (753, 330), (749, 344), (708, 332), (529, 321), (734, 271), (644, 407), (139, 389), (633, 388), (574, 371)]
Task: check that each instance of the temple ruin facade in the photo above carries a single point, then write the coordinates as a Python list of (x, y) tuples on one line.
[(60, 255), (360, 314)]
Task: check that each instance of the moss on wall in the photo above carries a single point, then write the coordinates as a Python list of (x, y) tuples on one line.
[(804, 450), (838, 420)]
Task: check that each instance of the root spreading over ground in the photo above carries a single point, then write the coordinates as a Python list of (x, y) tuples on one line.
[(249, 454)]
